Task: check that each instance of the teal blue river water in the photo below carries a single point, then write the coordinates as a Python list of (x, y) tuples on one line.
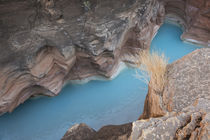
[(96, 103)]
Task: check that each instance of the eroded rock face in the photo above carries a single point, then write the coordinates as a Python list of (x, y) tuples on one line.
[(182, 111), (194, 15), (44, 43)]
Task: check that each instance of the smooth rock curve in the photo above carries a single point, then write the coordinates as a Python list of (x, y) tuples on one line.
[(44, 44)]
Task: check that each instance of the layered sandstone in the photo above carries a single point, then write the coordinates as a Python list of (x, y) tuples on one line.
[(45, 43), (182, 110), (194, 16)]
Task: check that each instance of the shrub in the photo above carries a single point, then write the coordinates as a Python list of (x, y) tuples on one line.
[(86, 5), (153, 67)]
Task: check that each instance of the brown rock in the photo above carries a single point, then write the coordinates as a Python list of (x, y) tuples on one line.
[(114, 132), (110, 132), (43, 44), (79, 132), (194, 16), (152, 106)]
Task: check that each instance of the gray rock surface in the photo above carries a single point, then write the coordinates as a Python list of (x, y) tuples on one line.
[(188, 79), (192, 122)]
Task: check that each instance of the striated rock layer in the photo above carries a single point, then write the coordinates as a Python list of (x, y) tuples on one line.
[(194, 15), (183, 109), (44, 43)]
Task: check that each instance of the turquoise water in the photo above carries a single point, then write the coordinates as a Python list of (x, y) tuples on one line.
[(96, 103), (168, 41)]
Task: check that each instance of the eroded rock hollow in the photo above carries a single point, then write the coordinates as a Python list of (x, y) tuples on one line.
[(45, 43), (193, 16)]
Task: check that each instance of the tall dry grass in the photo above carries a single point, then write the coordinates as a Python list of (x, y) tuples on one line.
[(153, 69)]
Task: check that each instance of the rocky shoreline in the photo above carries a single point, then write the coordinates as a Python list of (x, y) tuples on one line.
[(182, 111)]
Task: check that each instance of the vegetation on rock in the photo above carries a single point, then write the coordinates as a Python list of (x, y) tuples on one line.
[(153, 67)]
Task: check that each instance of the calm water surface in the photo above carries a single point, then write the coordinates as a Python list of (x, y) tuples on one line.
[(96, 103)]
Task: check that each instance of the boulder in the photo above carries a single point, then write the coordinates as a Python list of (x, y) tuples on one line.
[(79, 132), (110, 132)]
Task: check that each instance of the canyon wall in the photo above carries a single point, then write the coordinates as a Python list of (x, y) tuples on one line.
[(194, 16), (45, 43)]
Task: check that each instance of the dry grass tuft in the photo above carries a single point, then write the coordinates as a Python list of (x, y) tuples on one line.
[(153, 67)]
